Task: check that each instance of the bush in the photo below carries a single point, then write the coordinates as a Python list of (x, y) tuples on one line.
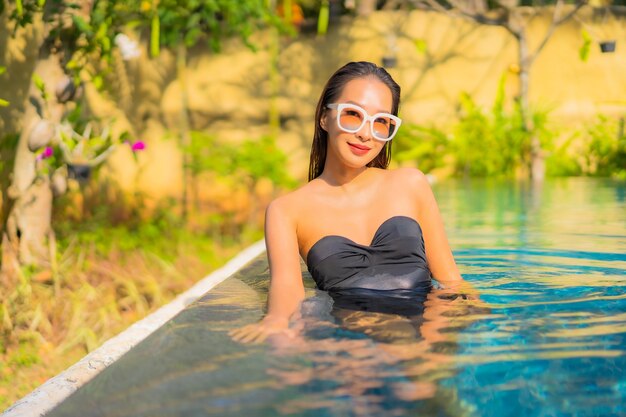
[(495, 143), (561, 163), (426, 146), (252, 159), (606, 148)]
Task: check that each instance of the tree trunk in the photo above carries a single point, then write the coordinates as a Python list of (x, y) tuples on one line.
[(274, 78), (185, 136), (29, 225), (29, 221), (537, 160), (366, 7)]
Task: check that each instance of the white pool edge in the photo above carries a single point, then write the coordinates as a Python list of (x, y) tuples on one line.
[(44, 398)]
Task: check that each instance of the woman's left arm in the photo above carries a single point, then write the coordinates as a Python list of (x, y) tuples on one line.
[(438, 253)]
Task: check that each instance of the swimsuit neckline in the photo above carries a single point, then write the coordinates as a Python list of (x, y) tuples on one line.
[(352, 241)]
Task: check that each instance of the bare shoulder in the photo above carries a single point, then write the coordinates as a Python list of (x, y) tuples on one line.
[(411, 177), (415, 184), (288, 205)]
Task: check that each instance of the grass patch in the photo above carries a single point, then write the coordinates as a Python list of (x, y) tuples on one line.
[(107, 278)]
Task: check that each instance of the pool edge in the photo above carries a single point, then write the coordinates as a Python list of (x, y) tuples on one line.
[(45, 397)]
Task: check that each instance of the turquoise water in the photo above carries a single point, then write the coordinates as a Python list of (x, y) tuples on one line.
[(547, 339), (551, 262)]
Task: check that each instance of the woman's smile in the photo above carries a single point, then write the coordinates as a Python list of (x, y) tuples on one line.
[(358, 149)]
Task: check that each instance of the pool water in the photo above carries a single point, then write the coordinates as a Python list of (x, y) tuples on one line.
[(546, 338)]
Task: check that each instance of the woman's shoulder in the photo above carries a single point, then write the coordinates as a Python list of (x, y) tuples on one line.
[(409, 177), (290, 203)]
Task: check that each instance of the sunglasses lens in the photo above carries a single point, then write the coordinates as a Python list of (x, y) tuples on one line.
[(384, 128), (350, 119)]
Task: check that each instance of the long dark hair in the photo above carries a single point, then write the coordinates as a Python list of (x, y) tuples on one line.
[(331, 91)]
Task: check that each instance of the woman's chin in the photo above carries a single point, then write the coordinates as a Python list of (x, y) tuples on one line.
[(357, 161)]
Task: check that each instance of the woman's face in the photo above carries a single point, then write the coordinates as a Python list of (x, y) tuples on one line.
[(357, 149)]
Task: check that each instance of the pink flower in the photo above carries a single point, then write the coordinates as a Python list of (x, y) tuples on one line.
[(138, 146), (46, 153)]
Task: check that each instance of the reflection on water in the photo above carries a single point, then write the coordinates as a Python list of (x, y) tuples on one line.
[(548, 337)]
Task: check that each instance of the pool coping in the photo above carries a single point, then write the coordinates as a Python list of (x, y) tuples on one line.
[(49, 394)]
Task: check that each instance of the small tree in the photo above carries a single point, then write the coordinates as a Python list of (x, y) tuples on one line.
[(514, 16)]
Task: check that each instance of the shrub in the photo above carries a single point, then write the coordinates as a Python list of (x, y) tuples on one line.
[(426, 146), (496, 143), (606, 147), (561, 162)]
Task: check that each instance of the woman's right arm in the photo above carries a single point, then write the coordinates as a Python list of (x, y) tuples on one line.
[(286, 289)]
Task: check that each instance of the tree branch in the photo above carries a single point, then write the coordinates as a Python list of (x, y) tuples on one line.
[(556, 22), (458, 10)]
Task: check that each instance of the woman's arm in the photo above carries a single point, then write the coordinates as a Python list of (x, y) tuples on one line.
[(438, 253), (286, 289)]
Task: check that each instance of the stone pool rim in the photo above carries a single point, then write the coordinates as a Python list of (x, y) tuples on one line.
[(56, 389)]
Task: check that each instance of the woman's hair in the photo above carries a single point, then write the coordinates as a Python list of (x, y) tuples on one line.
[(332, 90)]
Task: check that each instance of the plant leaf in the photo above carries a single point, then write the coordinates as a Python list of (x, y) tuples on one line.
[(584, 50), (420, 45)]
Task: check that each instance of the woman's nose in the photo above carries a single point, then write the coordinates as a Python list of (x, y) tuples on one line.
[(365, 133)]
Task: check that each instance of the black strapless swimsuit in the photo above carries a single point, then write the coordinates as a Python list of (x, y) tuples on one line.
[(395, 260)]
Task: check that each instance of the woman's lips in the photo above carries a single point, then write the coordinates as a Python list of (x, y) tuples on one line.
[(358, 149)]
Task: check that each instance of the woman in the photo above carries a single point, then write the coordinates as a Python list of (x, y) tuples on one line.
[(357, 225)]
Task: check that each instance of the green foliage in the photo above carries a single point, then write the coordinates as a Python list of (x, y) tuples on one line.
[(8, 148), (155, 35), (173, 22), (207, 154), (41, 86), (23, 12), (87, 146), (24, 355), (426, 146), (495, 143), (606, 147), (585, 48), (3, 103), (91, 38), (250, 160), (561, 163), (155, 236), (263, 159), (485, 144), (482, 143), (420, 45), (81, 139), (323, 18), (88, 37)]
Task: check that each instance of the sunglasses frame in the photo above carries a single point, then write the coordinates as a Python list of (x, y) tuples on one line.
[(366, 118)]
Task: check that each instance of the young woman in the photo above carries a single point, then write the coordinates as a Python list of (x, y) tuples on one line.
[(357, 225)]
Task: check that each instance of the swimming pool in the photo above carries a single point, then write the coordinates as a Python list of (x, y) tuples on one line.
[(550, 263)]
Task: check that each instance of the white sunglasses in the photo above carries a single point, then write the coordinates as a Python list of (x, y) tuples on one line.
[(351, 118)]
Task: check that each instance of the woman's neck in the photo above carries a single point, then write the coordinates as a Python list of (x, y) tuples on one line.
[(343, 177)]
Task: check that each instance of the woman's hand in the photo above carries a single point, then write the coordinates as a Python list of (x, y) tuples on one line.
[(458, 291), (258, 332), (462, 297)]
